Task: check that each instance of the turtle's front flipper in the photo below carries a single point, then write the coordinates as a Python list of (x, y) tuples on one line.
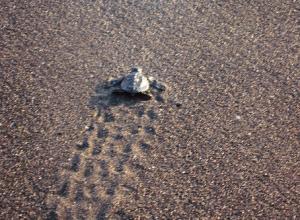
[(115, 82), (158, 86)]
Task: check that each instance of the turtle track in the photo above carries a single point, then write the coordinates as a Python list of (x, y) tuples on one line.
[(105, 164)]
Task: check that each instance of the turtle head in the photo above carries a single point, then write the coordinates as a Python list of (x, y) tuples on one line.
[(136, 70)]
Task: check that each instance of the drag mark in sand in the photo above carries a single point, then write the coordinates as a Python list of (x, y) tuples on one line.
[(102, 169)]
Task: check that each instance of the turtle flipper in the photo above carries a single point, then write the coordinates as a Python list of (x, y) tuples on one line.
[(157, 85), (116, 82)]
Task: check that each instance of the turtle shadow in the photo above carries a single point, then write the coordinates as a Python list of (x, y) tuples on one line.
[(105, 96)]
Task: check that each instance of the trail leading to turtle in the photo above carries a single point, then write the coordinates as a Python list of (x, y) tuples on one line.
[(103, 167)]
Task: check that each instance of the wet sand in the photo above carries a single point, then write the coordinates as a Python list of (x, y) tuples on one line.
[(222, 141)]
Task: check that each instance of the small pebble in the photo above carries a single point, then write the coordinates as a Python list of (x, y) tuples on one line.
[(238, 117)]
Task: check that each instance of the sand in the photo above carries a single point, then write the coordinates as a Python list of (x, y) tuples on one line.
[(221, 142)]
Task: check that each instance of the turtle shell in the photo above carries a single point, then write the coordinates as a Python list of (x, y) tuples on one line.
[(135, 82)]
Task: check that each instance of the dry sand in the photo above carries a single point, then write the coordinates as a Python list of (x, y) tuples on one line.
[(222, 142)]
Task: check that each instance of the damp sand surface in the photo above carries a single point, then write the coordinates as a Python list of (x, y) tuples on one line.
[(221, 142)]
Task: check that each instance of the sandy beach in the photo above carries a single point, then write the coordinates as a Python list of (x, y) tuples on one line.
[(222, 142)]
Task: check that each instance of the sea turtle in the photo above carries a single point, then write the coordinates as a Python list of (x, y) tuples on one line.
[(136, 83)]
